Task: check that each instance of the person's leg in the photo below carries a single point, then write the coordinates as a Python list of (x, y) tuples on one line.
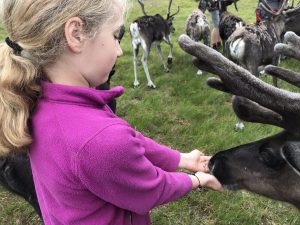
[(215, 35)]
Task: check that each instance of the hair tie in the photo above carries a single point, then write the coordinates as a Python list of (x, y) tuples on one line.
[(15, 46)]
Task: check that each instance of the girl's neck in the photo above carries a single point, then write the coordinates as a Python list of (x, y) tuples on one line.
[(65, 72)]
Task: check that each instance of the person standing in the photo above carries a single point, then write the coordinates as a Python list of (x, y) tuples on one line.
[(213, 7)]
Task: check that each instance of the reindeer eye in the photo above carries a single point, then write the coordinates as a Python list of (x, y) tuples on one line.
[(270, 159)]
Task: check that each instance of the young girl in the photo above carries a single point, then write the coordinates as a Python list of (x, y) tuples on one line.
[(89, 166)]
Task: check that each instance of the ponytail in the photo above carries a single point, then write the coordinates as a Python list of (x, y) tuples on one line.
[(36, 29), (18, 94)]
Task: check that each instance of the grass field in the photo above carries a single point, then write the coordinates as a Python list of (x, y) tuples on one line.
[(184, 113)]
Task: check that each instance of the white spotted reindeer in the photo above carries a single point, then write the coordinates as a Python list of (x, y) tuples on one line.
[(197, 28), (148, 31)]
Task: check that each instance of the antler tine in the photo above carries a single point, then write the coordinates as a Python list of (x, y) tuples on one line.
[(265, 4), (235, 5), (293, 9), (250, 111), (292, 48), (241, 82), (141, 2), (217, 84), (284, 74), (169, 9), (174, 14), (283, 5)]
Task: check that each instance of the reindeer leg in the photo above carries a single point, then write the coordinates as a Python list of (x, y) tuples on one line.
[(169, 42), (162, 58), (275, 62), (145, 65), (135, 61)]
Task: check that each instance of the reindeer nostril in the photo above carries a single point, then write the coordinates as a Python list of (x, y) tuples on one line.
[(216, 161)]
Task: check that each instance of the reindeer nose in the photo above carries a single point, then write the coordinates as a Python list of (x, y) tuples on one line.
[(216, 161)]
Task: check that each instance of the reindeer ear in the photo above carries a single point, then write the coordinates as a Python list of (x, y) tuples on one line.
[(291, 154)]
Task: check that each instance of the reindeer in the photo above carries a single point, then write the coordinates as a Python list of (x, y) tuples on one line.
[(197, 28), (150, 31), (253, 45), (228, 24), (271, 166)]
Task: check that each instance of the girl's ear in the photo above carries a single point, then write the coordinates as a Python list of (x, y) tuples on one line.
[(74, 34)]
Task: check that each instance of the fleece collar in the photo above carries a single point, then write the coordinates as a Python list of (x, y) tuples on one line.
[(79, 95)]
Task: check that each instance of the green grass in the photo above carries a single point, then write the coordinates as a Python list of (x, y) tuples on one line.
[(184, 113)]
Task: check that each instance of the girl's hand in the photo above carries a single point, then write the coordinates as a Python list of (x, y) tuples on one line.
[(209, 181), (194, 161)]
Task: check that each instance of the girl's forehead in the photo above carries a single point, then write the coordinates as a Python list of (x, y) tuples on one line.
[(116, 21)]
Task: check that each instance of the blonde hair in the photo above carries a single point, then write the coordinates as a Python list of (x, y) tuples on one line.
[(38, 27)]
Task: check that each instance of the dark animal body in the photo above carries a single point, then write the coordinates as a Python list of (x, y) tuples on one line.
[(228, 24), (147, 31), (16, 177), (253, 45), (153, 27)]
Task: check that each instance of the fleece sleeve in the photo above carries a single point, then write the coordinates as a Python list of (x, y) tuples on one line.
[(160, 155), (113, 166)]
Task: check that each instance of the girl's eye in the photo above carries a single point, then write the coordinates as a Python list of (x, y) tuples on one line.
[(116, 36), (119, 33)]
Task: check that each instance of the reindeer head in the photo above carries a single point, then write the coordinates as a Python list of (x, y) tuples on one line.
[(276, 16), (170, 18), (271, 166)]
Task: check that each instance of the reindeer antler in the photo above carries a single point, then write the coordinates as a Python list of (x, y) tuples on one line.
[(169, 10), (268, 9), (291, 49), (141, 2), (266, 103)]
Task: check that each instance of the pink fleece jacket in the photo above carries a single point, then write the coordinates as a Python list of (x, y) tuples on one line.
[(90, 167)]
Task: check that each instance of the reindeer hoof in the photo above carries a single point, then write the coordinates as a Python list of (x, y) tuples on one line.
[(262, 73), (136, 85), (199, 72), (170, 60), (167, 70), (239, 127), (152, 86)]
